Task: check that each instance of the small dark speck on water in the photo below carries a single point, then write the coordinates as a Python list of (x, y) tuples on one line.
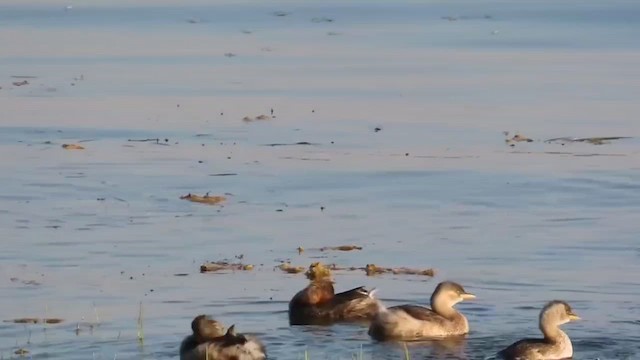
[(377, 129), (279, 210)]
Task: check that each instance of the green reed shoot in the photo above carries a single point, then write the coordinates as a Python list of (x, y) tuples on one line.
[(140, 325)]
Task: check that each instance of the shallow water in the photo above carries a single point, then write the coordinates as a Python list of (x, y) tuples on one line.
[(88, 235)]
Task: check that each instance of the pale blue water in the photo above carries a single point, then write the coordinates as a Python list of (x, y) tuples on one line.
[(518, 227)]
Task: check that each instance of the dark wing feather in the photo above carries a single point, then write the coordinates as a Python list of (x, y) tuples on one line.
[(357, 293), (418, 312), (521, 348)]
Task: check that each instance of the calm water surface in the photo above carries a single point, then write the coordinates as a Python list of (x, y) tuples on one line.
[(89, 235)]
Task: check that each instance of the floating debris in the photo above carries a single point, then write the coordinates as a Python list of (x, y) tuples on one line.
[(289, 269), (20, 83), (321, 20), (341, 248), (515, 139), (224, 265), (21, 352), (281, 13), (318, 270), (206, 199), (257, 118), (292, 144), (372, 269), (144, 140), (35, 321), (230, 55), (224, 174), (72, 147), (155, 141), (519, 138), (303, 158), (28, 282), (590, 140)]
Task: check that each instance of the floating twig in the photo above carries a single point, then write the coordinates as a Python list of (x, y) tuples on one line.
[(591, 140), (143, 140), (292, 144)]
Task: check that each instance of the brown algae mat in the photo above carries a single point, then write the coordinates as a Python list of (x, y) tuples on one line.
[(318, 269), (72, 147), (206, 199), (224, 265)]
